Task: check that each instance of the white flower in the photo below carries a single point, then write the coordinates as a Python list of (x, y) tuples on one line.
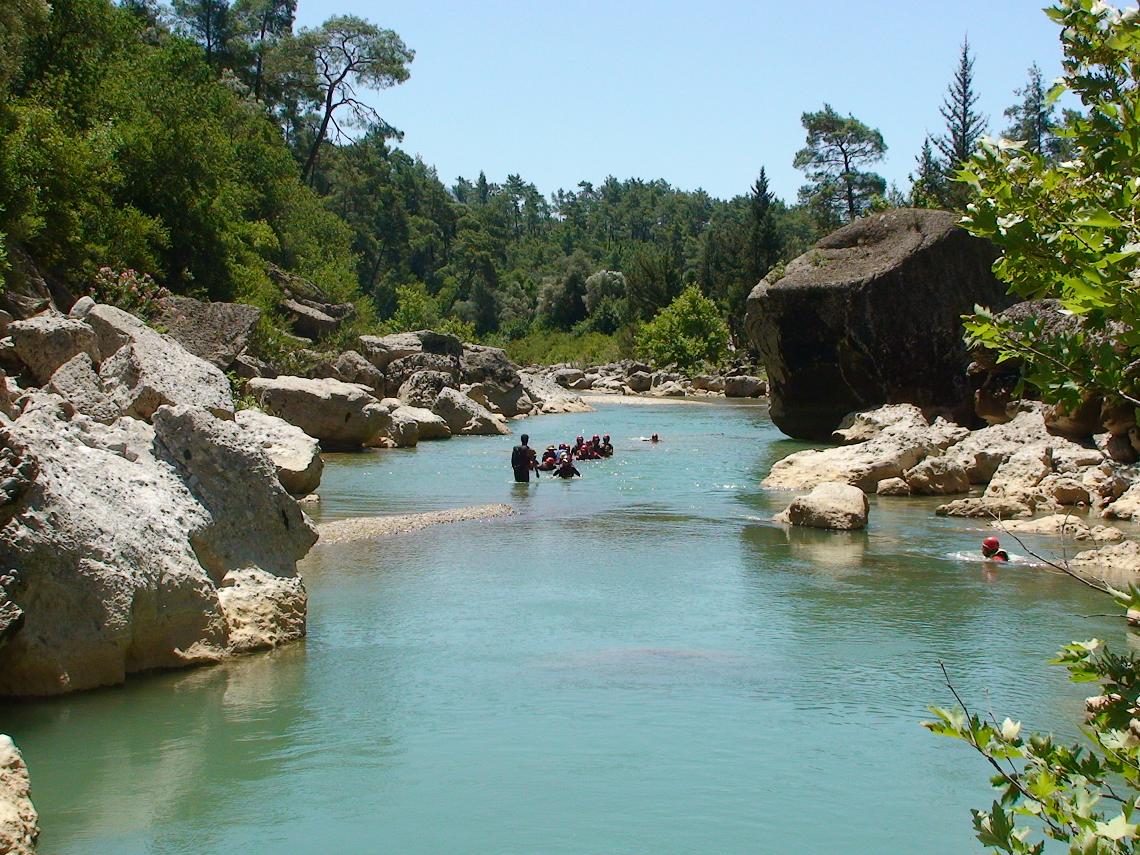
[(1010, 729)]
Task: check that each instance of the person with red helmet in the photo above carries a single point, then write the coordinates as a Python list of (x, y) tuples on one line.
[(992, 551)]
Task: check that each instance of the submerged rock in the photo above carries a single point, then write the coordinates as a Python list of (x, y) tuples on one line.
[(835, 506), (872, 315)]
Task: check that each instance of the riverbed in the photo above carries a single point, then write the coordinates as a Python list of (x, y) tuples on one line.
[(636, 661)]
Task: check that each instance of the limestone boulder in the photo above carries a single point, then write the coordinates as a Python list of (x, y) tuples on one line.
[(893, 487), (744, 386), (295, 455), (142, 370), (122, 534), (713, 383), (489, 365), (837, 506), (45, 342), (262, 610), (423, 387), (1127, 507), (340, 415), (1019, 476), (986, 508), (884, 296), (937, 476), (511, 401), (427, 424), (19, 821), (1064, 526), (550, 398), (981, 452), (383, 350), (215, 332), (309, 321), (566, 377), (1118, 563), (77, 381), (465, 417), (668, 389), (888, 454), (640, 381), (862, 426), (400, 370), (351, 367)]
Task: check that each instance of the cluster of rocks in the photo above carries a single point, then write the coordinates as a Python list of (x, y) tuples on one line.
[(400, 389), (142, 525), (1009, 471), (629, 377)]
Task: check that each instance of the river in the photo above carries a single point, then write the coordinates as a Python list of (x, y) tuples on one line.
[(638, 661)]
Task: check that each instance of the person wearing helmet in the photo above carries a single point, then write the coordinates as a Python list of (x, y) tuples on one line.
[(992, 551), (607, 446), (566, 469)]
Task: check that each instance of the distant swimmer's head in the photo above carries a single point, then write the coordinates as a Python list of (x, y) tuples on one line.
[(990, 546), (655, 438), (606, 438)]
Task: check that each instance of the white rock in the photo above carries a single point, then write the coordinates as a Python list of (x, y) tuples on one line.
[(1065, 526), (340, 415), (1118, 564), (261, 609), (1127, 507), (861, 426), (465, 417), (19, 822), (1018, 477), (295, 454), (47, 341), (832, 506)]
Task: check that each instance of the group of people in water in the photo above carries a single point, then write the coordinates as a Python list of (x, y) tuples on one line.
[(560, 460)]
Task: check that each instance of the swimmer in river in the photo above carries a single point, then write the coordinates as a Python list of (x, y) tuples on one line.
[(566, 469), (992, 551), (654, 438)]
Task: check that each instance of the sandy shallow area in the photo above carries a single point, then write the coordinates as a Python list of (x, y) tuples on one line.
[(368, 528)]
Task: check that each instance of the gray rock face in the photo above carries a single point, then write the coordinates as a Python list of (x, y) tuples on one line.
[(78, 382), (871, 315), (309, 321), (465, 417), (351, 367), (295, 454), (639, 381), (744, 386), (566, 377), (423, 387), (19, 822), (142, 370), (835, 506), (489, 365), (47, 341), (382, 350), (340, 415), (399, 370), (122, 537), (215, 332), (427, 424)]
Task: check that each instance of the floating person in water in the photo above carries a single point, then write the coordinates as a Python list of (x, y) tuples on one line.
[(654, 438), (566, 469), (992, 551), (523, 461)]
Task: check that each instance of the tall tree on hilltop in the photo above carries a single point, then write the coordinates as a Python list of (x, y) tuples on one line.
[(344, 53), (964, 124), (1033, 119), (837, 148), (210, 23), (766, 244), (928, 184), (263, 23)]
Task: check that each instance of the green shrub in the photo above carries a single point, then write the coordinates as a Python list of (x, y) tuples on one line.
[(687, 333)]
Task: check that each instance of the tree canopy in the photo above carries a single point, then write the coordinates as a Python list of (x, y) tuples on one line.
[(837, 149)]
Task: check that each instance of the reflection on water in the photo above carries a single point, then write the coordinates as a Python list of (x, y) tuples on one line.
[(638, 661)]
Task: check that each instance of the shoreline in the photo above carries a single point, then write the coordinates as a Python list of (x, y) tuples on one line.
[(356, 529), (652, 401)]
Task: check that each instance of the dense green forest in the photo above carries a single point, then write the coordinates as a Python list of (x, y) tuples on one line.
[(212, 145)]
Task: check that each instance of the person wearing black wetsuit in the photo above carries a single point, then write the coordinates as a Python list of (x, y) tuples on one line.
[(522, 461), (566, 470)]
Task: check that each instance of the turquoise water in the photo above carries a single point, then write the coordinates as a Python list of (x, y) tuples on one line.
[(637, 662)]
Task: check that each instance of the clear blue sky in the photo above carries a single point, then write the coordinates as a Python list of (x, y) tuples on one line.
[(700, 94)]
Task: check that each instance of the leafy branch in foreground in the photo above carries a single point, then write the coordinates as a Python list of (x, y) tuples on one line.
[(1071, 230)]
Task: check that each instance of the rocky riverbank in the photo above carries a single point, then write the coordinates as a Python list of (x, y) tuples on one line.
[(637, 378), (1014, 471)]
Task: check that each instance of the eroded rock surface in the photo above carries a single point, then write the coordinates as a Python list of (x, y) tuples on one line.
[(295, 454), (19, 822), (340, 415), (836, 506)]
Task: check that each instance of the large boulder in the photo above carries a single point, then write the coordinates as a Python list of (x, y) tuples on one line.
[(383, 350), (295, 454), (19, 822), (549, 397), (423, 387), (1118, 564), (216, 332), (307, 321), (340, 415), (465, 417), (833, 505), (744, 386), (427, 424), (123, 535), (77, 381), (142, 370), (872, 315), (399, 370), (47, 341)]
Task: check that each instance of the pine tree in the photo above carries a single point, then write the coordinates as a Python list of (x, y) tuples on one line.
[(928, 184), (1033, 118), (964, 124), (766, 244)]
